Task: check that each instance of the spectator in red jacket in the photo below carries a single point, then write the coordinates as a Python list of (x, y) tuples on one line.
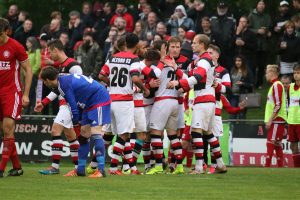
[(121, 11)]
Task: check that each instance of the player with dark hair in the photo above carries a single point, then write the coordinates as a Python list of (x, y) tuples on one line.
[(12, 56)]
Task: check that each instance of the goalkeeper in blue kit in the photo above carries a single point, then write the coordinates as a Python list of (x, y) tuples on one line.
[(90, 105)]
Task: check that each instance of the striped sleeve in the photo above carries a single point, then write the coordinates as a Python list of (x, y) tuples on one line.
[(105, 69), (277, 92)]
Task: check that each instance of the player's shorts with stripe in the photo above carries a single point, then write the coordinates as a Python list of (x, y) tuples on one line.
[(203, 116), (181, 122), (122, 117), (64, 116), (164, 114), (218, 126), (140, 120), (11, 105), (276, 132), (294, 132), (97, 116)]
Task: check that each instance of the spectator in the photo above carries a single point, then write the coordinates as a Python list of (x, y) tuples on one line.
[(121, 11), (242, 82), (34, 55), (138, 30), (259, 23), (196, 13), (281, 18), (120, 23), (150, 26), (289, 49), (178, 18), (296, 20), (206, 29), (161, 30), (75, 28), (246, 43), (296, 6), (108, 44), (86, 15), (166, 8), (55, 27), (12, 17), (89, 55), (146, 9), (25, 32), (64, 38), (23, 15), (186, 37), (223, 28)]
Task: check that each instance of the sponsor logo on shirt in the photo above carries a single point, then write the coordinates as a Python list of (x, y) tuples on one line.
[(4, 65)]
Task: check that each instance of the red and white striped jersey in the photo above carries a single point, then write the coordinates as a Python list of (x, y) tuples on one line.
[(224, 103), (201, 79), (168, 74), (119, 69)]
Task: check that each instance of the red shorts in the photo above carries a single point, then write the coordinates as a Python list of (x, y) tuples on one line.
[(276, 132), (294, 132), (11, 105), (186, 135)]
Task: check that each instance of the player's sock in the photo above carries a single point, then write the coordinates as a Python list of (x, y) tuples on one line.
[(215, 149), (296, 159), (94, 162), (57, 147), (99, 151), (198, 150), (6, 152), (279, 155), (74, 146), (132, 140), (177, 149), (137, 149), (14, 155), (270, 150), (189, 158), (146, 151), (107, 140), (83, 152), (157, 147), (128, 155), (205, 144), (117, 153), (213, 161)]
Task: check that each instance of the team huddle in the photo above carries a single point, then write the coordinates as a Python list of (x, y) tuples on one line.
[(138, 95)]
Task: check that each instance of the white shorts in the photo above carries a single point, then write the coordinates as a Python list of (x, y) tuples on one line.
[(203, 116), (122, 117), (218, 126), (181, 122), (164, 114), (147, 115), (64, 117), (140, 120)]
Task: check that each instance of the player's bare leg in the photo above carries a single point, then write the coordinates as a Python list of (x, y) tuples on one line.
[(296, 153)]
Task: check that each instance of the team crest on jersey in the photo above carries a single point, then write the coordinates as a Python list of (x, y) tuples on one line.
[(6, 54)]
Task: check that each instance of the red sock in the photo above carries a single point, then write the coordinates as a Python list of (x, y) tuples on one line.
[(270, 150), (279, 155), (296, 159), (6, 152), (189, 159), (14, 156)]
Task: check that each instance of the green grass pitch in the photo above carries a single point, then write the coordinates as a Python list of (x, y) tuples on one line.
[(238, 183)]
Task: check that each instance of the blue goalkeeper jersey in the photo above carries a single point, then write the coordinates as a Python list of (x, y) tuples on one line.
[(82, 94)]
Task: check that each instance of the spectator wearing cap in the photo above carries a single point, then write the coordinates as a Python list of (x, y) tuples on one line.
[(223, 29), (121, 11), (289, 49), (89, 54), (260, 23), (196, 13), (282, 17), (245, 43), (178, 18)]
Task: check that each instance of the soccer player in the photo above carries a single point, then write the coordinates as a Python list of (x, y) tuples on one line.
[(12, 56), (164, 113), (119, 72), (294, 116), (275, 116), (90, 106), (63, 119), (201, 78)]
